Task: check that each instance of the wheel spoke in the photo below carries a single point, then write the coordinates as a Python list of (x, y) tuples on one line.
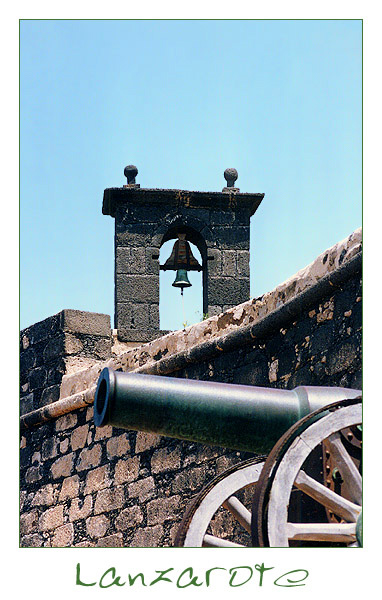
[(211, 541), (239, 512), (322, 532), (346, 467), (340, 506)]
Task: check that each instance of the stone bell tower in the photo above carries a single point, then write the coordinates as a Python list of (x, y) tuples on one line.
[(216, 222)]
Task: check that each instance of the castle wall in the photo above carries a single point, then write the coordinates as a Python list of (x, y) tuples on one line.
[(82, 486)]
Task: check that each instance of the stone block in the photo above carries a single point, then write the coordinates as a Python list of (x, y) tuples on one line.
[(63, 466), (78, 321), (228, 291), (162, 509), (51, 518), (67, 421), (37, 378), (97, 479), (33, 474), (96, 527), (26, 404), (28, 360), (44, 496), (229, 263), (127, 470), (118, 446), (165, 459), (32, 541), (80, 509), (130, 260), (144, 489), (111, 541), (146, 441), (128, 518), (29, 522), (69, 488), (63, 536), (150, 537), (55, 348), (79, 437), (142, 289), (89, 457), (109, 499), (133, 316), (242, 262), (49, 395)]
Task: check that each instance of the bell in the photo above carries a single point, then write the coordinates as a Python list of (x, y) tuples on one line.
[(181, 257), (181, 280)]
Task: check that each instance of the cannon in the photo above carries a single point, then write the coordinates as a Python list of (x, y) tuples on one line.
[(303, 488)]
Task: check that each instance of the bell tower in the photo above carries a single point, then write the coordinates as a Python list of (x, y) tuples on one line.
[(217, 223)]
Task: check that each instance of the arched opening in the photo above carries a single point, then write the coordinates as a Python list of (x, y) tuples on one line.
[(177, 311)]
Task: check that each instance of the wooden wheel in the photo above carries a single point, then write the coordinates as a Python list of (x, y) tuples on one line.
[(295, 503), (218, 516)]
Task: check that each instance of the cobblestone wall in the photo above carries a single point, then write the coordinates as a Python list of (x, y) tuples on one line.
[(105, 487)]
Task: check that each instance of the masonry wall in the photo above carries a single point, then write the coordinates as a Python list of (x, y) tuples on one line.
[(105, 487)]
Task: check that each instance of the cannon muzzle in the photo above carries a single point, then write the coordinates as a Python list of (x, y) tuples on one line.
[(240, 417)]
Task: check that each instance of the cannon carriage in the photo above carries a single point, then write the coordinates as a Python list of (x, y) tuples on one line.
[(303, 488)]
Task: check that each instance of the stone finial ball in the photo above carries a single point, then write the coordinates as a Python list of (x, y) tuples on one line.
[(230, 175), (130, 172)]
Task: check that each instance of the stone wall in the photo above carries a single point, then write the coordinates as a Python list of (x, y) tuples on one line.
[(82, 486), (59, 345)]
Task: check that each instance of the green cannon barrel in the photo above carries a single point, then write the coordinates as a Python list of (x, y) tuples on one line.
[(240, 417)]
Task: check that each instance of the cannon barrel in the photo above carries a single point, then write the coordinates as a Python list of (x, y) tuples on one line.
[(239, 417)]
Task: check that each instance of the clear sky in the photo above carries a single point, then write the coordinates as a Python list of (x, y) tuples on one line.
[(280, 101)]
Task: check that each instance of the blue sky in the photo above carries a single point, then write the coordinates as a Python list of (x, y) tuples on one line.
[(278, 100)]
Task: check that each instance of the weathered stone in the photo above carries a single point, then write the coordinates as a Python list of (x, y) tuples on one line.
[(63, 536), (89, 457), (162, 509), (148, 538), (51, 518), (63, 466), (97, 479), (102, 432), (44, 496), (32, 541), (33, 474), (111, 541), (66, 422), (69, 488), (80, 510), (144, 489), (129, 517), (49, 448), (78, 321), (96, 527), (146, 441), (190, 479), (29, 522), (165, 460), (49, 395), (118, 446), (127, 470), (79, 436), (109, 499)]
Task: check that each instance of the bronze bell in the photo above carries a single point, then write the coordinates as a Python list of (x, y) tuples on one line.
[(181, 257), (181, 279)]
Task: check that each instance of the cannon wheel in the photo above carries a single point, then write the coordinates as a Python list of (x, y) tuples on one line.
[(285, 475), (220, 492)]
